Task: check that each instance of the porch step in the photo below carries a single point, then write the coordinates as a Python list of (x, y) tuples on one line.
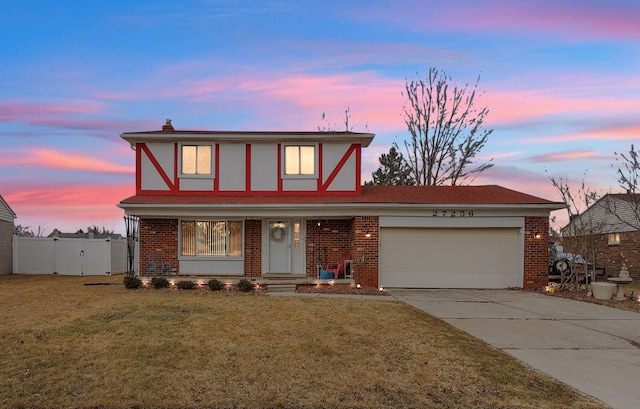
[(281, 288)]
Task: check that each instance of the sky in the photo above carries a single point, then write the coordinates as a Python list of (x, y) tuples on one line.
[(561, 80)]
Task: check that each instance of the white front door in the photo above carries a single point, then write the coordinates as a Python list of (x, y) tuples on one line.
[(279, 246)]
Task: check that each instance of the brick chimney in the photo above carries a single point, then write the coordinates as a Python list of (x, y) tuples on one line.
[(167, 127)]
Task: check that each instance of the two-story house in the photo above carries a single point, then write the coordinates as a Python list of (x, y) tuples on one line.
[(291, 204), (607, 234)]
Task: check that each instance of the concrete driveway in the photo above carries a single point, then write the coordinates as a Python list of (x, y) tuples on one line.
[(594, 349)]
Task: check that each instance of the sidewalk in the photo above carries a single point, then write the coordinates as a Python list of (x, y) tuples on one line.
[(592, 348)]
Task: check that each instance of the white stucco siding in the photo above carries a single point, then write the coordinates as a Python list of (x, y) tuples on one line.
[(151, 178), (299, 184), (264, 167), (201, 184), (232, 167), (346, 177)]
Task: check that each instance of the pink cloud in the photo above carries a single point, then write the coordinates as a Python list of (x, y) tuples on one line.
[(13, 109), (586, 19), (508, 107), (623, 133), (565, 156), (54, 159), (68, 207)]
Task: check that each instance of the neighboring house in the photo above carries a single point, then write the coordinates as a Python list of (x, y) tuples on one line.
[(7, 217), (610, 227), (290, 204)]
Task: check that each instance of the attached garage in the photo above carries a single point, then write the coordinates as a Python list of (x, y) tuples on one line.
[(456, 256)]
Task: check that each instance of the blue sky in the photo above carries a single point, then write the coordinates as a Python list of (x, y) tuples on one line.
[(560, 78)]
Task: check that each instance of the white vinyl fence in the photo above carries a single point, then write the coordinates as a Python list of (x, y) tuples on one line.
[(48, 255)]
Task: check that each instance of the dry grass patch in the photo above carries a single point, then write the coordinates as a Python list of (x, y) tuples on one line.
[(64, 344)]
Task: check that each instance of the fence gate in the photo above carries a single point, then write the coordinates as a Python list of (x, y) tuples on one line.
[(68, 256)]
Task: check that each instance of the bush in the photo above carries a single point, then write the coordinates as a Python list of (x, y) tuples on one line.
[(132, 282), (185, 285), (159, 282), (244, 285), (215, 285)]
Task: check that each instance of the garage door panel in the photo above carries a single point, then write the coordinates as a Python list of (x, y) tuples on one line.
[(449, 258)]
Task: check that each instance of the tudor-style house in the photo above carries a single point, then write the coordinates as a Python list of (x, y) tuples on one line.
[(291, 205)]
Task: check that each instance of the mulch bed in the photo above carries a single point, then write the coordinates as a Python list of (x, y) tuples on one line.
[(338, 289)]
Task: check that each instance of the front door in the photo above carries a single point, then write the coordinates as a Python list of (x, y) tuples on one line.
[(279, 246)]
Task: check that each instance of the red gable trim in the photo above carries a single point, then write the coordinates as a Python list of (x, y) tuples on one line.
[(247, 171), (338, 168), (279, 175), (216, 166), (143, 147)]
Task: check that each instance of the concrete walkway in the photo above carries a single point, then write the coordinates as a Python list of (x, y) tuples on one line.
[(592, 348)]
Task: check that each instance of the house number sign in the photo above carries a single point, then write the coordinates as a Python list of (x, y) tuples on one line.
[(452, 213)]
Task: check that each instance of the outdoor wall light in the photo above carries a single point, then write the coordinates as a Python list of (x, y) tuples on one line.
[(358, 285), (381, 289), (537, 235), (367, 234)]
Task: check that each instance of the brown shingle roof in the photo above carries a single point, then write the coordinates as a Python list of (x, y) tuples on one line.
[(491, 194)]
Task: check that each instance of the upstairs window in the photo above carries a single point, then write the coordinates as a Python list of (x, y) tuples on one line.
[(614, 239), (300, 160), (196, 160)]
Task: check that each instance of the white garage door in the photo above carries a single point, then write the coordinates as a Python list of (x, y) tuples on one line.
[(450, 258)]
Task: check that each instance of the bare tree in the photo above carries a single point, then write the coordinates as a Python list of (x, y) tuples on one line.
[(446, 130), (581, 232), (625, 207), (348, 127)]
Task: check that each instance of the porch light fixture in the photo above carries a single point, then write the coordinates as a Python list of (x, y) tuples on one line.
[(358, 285), (278, 225), (367, 234), (537, 235)]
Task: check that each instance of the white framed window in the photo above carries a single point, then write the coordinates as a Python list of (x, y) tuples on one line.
[(196, 160), (300, 160), (613, 239), (211, 238)]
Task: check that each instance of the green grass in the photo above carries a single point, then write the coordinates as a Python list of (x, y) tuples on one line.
[(63, 344)]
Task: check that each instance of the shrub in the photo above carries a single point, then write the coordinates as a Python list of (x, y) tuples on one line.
[(215, 285), (159, 282), (132, 282), (185, 285), (244, 285)]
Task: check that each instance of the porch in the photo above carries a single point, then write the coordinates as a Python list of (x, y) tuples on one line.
[(287, 251)]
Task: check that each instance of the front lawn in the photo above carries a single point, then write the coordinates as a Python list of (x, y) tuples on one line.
[(66, 344)]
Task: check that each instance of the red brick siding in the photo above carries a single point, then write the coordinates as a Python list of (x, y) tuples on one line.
[(326, 243), (610, 257), (536, 252), (253, 248), (159, 236), (364, 250)]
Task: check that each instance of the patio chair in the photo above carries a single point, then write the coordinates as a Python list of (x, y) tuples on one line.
[(338, 269)]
